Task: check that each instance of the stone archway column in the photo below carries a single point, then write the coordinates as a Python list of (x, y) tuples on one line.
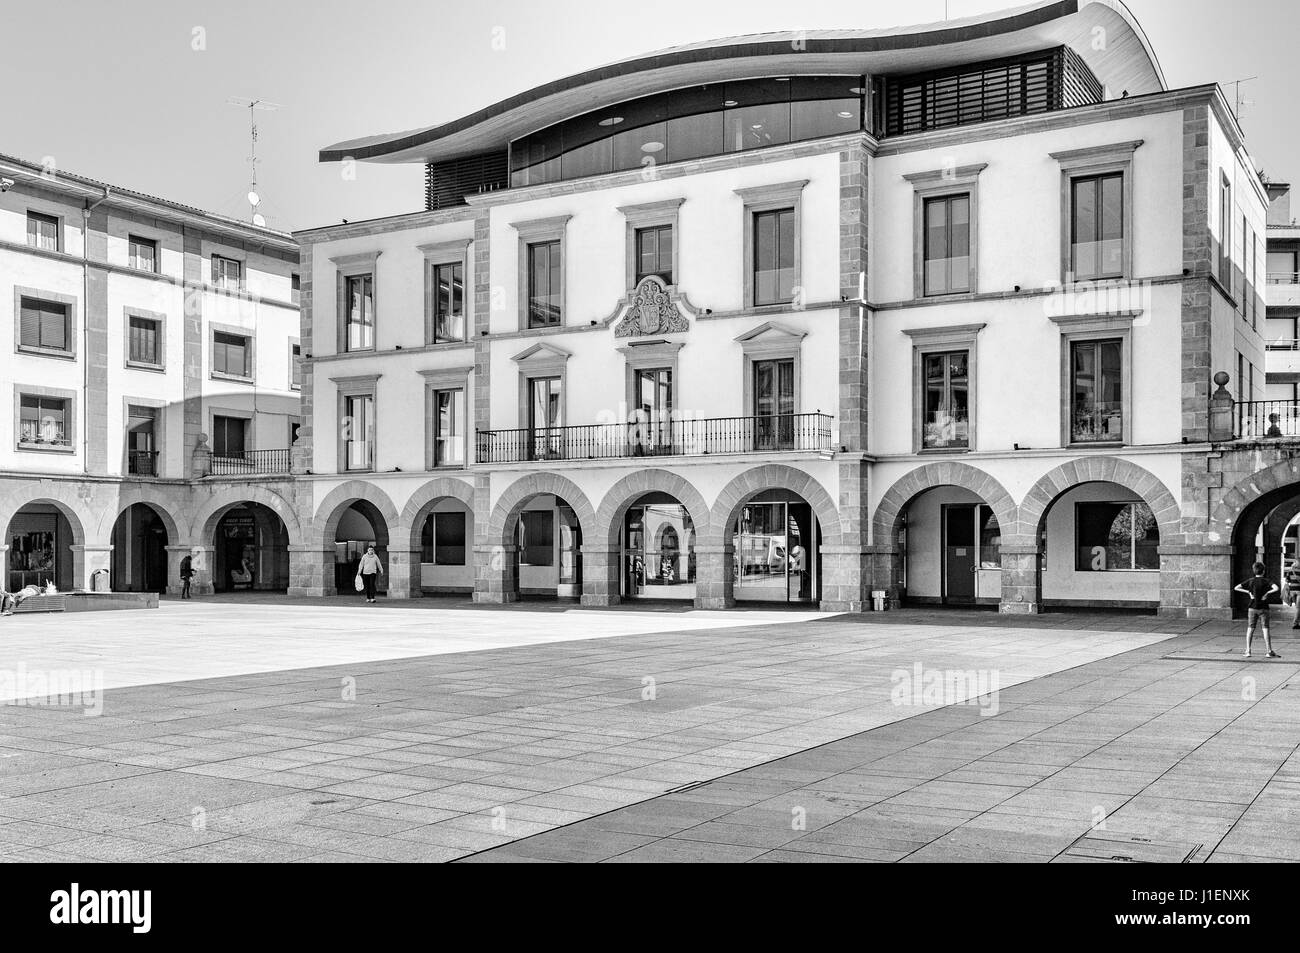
[(174, 556), (87, 560), (4, 567), (311, 571), (846, 574), (1196, 582), (714, 579), (403, 573), (495, 574), (886, 574), (600, 568), (1020, 584)]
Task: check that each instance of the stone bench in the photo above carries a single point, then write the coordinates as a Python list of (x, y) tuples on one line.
[(41, 604)]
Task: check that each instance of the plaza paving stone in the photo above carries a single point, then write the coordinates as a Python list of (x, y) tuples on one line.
[(1168, 745), (434, 732)]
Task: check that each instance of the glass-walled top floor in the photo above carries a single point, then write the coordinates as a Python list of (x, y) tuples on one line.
[(690, 123)]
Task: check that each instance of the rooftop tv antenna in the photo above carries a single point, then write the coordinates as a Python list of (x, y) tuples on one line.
[(1239, 102), (253, 105)]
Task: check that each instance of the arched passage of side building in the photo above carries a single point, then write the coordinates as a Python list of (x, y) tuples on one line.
[(535, 543), (648, 528), (241, 540), (45, 539), (941, 536), (769, 532), (1095, 528)]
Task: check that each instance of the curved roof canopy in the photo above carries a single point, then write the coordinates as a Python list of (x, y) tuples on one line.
[(1102, 32)]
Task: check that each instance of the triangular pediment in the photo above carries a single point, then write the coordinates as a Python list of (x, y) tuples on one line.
[(771, 331), (542, 352)]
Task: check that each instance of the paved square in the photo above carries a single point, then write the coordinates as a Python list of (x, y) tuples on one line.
[(337, 732)]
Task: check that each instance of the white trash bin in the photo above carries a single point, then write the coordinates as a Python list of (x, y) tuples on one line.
[(878, 600)]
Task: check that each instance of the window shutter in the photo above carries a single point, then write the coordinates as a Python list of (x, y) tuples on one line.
[(54, 327), (30, 324)]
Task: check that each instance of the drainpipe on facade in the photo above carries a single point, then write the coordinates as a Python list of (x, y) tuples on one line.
[(85, 326)]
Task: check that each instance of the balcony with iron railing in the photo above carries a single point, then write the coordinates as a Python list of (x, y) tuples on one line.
[(251, 462), (658, 438), (142, 463)]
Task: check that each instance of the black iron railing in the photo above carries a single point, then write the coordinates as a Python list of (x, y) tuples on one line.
[(1263, 419), (142, 462), (251, 462), (677, 437)]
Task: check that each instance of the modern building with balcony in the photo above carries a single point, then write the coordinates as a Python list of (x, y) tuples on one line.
[(154, 371), (800, 318)]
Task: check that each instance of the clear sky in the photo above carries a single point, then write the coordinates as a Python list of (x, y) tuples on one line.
[(135, 92)]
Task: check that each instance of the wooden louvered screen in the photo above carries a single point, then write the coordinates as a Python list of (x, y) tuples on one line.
[(980, 92), (43, 324), (447, 183)]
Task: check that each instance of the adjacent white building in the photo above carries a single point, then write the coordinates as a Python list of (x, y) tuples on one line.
[(151, 358)]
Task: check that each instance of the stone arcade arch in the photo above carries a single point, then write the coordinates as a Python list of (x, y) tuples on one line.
[(375, 506), (887, 522), (432, 496), (715, 557), (61, 512), (601, 556), (497, 577), (1022, 585)]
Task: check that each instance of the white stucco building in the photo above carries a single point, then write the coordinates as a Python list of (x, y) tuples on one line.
[(798, 318), (151, 362)]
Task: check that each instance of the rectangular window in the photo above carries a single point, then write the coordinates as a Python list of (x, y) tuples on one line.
[(537, 538), (359, 302), (1115, 536), (774, 247), (448, 302), (947, 245), (295, 366), (227, 273), (544, 285), (232, 354), (1225, 228), (142, 253), (947, 406), (43, 421), (229, 436), (654, 253), (359, 432), (1097, 394), (449, 428), (143, 342), (1097, 226), (43, 325), (443, 540), (141, 453), (295, 289), (42, 231)]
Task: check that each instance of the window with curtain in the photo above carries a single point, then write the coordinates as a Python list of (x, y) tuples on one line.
[(946, 379), (359, 427), (1097, 391), (654, 253), (142, 253), (42, 231), (227, 273), (448, 302), (43, 420), (449, 427), (359, 306)]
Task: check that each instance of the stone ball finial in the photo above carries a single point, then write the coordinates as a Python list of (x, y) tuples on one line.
[(1222, 378)]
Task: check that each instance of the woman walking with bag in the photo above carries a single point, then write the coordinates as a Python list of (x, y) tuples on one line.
[(368, 572)]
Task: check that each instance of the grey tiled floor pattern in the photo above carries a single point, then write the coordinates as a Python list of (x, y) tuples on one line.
[(439, 757), (1159, 742)]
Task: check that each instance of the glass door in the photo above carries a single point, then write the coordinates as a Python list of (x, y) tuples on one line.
[(659, 552), (774, 405), (652, 428), (776, 552), (545, 418)]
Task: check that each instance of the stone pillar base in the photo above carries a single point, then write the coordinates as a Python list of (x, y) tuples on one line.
[(714, 579), (86, 561)]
